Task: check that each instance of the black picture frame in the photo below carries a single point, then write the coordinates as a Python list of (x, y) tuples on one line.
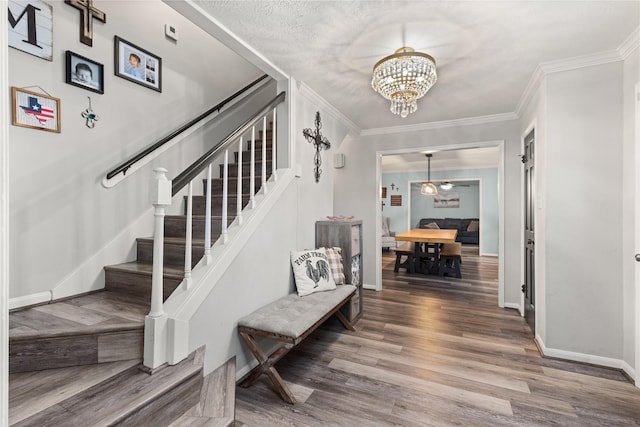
[(148, 73), (84, 72)]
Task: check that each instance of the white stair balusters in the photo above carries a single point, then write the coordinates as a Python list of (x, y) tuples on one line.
[(264, 155), (225, 195), (188, 237), (207, 219), (273, 148), (239, 186), (252, 169)]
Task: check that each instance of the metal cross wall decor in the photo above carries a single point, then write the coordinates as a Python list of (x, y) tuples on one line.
[(320, 143), (87, 13)]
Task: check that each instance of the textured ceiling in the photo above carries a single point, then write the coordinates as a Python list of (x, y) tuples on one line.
[(486, 51)]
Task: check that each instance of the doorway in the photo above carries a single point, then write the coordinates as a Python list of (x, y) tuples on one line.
[(498, 147)]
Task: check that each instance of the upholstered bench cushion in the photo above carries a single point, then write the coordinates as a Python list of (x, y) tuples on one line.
[(291, 316)]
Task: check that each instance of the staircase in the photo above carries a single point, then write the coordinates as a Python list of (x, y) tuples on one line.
[(77, 361)]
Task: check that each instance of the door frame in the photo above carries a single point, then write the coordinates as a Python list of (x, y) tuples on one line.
[(501, 204), (637, 234), (4, 223), (532, 189)]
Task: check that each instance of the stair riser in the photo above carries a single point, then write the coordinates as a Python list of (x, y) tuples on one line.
[(165, 409), (173, 254), (246, 169), (176, 226), (216, 185), (199, 205), (76, 350), (246, 155), (138, 285)]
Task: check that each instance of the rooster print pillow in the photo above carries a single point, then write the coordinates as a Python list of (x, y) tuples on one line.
[(311, 271)]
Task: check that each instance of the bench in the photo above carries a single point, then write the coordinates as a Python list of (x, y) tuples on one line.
[(406, 250), (289, 320), (450, 259)]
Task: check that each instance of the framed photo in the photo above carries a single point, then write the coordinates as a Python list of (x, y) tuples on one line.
[(84, 73), (35, 110), (137, 65)]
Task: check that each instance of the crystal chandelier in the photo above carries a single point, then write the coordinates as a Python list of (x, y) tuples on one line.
[(403, 78)]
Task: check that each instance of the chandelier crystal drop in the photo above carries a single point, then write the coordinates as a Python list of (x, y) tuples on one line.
[(403, 78)]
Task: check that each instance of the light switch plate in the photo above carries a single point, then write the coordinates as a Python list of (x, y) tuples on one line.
[(171, 32)]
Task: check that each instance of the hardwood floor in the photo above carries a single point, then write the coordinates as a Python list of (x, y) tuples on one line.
[(432, 351)]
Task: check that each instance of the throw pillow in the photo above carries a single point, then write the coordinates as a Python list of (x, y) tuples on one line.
[(432, 225), (334, 256), (474, 226), (311, 271)]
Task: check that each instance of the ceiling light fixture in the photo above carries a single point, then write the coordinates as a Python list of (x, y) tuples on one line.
[(403, 78), (446, 185), (428, 188)]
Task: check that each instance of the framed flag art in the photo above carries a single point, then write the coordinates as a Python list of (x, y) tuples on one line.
[(35, 110)]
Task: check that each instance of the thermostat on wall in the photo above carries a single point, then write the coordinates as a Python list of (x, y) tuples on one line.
[(171, 32)]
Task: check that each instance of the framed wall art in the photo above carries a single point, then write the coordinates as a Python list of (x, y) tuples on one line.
[(84, 73), (35, 110), (31, 27), (137, 65)]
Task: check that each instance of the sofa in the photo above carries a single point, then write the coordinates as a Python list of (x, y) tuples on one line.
[(388, 237), (468, 228)]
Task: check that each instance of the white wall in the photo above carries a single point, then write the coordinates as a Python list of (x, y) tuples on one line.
[(583, 218), (357, 196), (61, 216), (262, 272), (630, 221)]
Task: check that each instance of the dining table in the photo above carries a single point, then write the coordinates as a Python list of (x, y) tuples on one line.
[(425, 240)]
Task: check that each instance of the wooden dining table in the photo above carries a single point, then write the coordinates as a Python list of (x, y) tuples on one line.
[(431, 239)]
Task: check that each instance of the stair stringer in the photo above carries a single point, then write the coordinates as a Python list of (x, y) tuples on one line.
[(183, 303)]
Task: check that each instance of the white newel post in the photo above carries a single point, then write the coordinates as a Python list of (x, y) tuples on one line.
[(156, 321)]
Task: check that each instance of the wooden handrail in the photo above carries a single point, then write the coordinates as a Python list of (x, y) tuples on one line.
[(126, 165), (203, 162)]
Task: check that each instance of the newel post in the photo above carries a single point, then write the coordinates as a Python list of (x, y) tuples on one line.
[(156, 320)]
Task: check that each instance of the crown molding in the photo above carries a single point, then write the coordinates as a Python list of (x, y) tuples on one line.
[(313, 96), (630, 44), (442, 124), (559, 66), (626, 48)]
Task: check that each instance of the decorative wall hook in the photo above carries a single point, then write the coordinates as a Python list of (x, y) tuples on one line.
[(91, 117), (319, 141)]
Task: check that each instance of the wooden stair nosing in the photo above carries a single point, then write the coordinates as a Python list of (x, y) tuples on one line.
[(118, 399), (79, 331), (145, 269)]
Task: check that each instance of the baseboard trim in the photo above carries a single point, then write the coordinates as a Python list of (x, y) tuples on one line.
[(372, 287), (513, 306), (27, 300), (590, 359)]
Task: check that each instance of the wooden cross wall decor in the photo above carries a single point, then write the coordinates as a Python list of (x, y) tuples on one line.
[(87, 13), (320, 142)]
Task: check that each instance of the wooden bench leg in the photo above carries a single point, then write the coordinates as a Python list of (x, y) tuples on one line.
[(265, 366), (344, 321)]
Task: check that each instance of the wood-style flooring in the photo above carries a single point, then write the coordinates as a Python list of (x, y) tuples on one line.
[(433, 351)]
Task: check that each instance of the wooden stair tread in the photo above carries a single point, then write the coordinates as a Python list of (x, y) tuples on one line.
[(99, 312), (146, 269), (116, 397), (169, 240), (32, 392)]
